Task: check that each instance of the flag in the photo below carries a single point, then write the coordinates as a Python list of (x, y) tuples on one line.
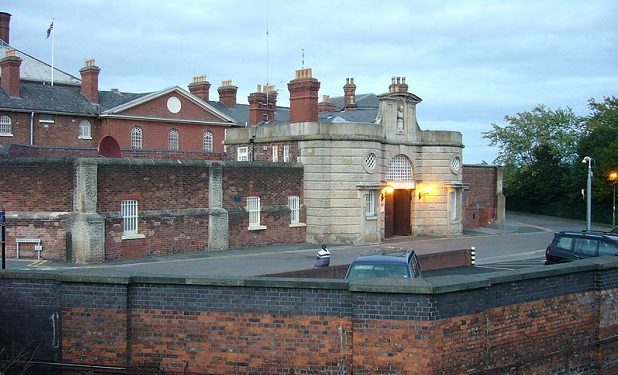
[(49, 30)]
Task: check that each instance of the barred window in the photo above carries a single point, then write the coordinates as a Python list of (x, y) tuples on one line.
[(243, 153), (370, 161), (399, 169), (208, 141), (173, 139), (275, 153), (85, 130), (5, 125), (294, 205), (253, 207), (136, 138), (286, 153), (128, 209), (370, 203)]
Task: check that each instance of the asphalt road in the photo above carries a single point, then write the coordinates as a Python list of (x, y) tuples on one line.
[(519, 242)]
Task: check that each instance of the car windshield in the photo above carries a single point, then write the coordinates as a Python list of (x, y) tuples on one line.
[(365, 271)]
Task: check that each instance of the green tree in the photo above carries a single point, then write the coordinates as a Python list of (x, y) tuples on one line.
[(556, 130)]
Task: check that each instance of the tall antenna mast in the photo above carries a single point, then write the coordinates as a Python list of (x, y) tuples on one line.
[(302, 55), (267, 50)]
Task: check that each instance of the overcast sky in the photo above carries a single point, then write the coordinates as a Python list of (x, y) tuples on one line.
[(472, 62)]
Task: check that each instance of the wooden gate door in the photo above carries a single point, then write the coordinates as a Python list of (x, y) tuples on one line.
[(401, 212)]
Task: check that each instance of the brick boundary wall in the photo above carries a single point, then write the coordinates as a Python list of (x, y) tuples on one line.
[(555, 320)]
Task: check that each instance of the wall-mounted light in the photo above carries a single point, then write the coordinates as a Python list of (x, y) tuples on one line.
[(424, 191), (389, 189)]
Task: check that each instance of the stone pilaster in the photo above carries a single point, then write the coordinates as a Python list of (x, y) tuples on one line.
[(87, 229), (218, 221)]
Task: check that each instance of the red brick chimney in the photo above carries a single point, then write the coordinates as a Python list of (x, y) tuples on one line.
[(326, 105), (5, 26), (398, 84), (349, 90), (200, 87), (90, 81), (262, 104), (9, 69), (303, 97), (227, 93)]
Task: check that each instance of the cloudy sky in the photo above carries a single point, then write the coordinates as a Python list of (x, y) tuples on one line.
[(472, 62)]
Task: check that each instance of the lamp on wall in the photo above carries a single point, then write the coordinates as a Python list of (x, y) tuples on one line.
[(424, 191)]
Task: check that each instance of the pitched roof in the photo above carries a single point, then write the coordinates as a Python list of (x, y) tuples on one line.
[(362, 101), (35, 96), (240, 112), (33, 69)]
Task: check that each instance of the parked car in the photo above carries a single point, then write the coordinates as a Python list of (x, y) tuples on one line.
[(393, 263), (567, 246)]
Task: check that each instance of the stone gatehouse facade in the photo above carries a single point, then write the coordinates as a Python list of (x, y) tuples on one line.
[(369, 173)]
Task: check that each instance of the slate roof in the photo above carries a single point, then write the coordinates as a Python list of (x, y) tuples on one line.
[(33, 69), (35, 96), (367, 115), (362, 101), (240, 112), (114, 98)]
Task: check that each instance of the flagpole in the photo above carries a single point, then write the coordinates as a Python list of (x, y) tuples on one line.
[(52, 53)]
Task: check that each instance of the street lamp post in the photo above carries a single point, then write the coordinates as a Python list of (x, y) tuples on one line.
[(588, 160), (613, 177)]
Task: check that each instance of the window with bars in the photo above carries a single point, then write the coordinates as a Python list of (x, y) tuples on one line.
[(253, 207), (243, 153), (130, 217), (5, 126), (84, 130), (399, 169), (173, 140), (286, 153), (208, 141), (370, 204), (136, 138), (370, 161), (275, 153), (294, 205)]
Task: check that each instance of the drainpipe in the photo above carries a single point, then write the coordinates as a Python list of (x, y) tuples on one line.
[(32, 128)]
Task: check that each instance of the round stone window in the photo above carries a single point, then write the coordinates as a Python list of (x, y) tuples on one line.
[(173, 104), (456, 165), (370, 162)]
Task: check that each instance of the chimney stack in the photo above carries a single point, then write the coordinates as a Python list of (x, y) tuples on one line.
[(227, 93), (200, 87), (9, 69), (262, 104), (304, 97), (90, 81), (349, 90), (398, 84), (326, 105), (5, 26)]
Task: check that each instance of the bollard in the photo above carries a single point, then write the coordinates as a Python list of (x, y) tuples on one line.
[(472, 255)]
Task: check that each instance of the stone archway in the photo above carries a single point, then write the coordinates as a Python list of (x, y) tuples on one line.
[(109, 148)]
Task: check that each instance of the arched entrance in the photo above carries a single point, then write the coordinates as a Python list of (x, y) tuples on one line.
[(398, 204), (109, 147)]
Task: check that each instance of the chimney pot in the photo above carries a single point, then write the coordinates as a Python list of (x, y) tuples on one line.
[(10, 72), (200, 87), (304, 97), (90, 81), (5, 27), (227, 93)]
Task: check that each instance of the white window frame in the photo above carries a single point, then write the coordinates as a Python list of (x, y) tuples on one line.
[(286, 153), (242, 153), (370, 204), (294, 206), (173, 140), (454, 205), (254, 209), (85, 130), (137, 138), (129, 211), (6, 126), (399, 169), (275, 149), (208, 141)]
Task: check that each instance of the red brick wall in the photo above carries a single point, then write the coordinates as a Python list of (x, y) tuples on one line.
[(155, 134), (480, 202), (264, 152), (273, 183), (157, 108), (155, 187)]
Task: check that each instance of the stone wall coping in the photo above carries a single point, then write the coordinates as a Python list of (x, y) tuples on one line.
[(430, 285)]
